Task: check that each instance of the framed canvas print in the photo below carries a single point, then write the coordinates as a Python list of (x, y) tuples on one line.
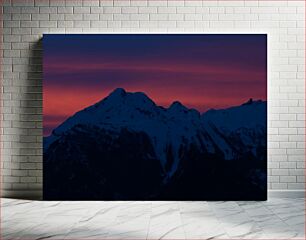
[(155, 117)]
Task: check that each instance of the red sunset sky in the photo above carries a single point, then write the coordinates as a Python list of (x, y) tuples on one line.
[(200, 71)]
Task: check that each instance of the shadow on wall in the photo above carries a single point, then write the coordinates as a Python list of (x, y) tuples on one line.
[(29, 145)]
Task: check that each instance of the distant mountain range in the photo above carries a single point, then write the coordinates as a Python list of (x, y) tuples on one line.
[(125, 147)]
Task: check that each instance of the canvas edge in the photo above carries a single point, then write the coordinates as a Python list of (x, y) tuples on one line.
[(38, 194)]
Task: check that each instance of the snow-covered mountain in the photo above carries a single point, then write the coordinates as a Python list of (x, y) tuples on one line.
[(129, 128), (173, 128), (239, 129)]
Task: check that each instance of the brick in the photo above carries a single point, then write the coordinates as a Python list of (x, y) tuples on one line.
[(130, 24), (129, 10), (280, 124), (300, 152), (296, 158), (48, 10), (157, 3), (167, 24), (297, 124), (176, 17), (42, 3), (242, 10), (166, 10), (98, 24), (29, 10), (74, 3), (83, 10), (193, 17), (37, 31), (295, 172), (147, 9), (274, 179), (140, 17), (21, 31), (148, 24), (222, 24), (230, 3), (280, 172), (138, 3), (216, 10), (91, 3), (11, 9), (21, 16), (111, 10), (265, 24), (176, 3), (20, 186), (120, 17), (287, 165), (122, 3), (300, 165), (296, 186), (57, 17), (40, 17), (96, 10), (273, 165), (287, 131), (300, 179), (19, 46), (65, 24), (81, 24), (190, 10), (11, 179), (229, 17), (75, 16), (36, 173), (27, 179), (288, 179), (291, 10), (59, 3), (261, 10), (210, 17), (105, 17), (11, 24), (279, 186), (11, 53), (90, 16), (23, 3), (63, 10), (161, 17), (19, 173), (297, 138), (192, 3)]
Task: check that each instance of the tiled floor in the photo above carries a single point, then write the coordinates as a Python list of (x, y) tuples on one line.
[(274, 219)]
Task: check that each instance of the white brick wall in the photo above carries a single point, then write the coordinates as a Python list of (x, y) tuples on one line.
[(24, 22)]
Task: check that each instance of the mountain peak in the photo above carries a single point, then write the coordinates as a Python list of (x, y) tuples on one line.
[(176, 105), (251, 101), (118, 92), (115, 96)]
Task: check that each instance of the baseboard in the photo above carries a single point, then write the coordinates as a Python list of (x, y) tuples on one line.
[(22, 194), (37, 194), (286, 193)]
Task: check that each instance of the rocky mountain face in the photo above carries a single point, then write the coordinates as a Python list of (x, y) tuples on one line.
[(125, 147)]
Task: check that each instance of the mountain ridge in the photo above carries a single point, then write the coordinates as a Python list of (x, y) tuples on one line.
[(120, 92), (176, 125), (129, 128)]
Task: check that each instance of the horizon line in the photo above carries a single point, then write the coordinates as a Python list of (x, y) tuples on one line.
[(65, 117)]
